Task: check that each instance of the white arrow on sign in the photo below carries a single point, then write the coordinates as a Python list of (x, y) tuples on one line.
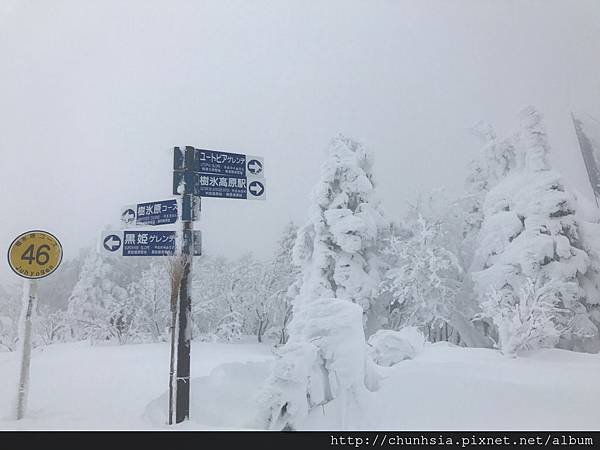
[(256, 188), (112, 242), (255, 166)]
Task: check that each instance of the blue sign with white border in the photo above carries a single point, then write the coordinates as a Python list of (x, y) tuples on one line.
[(140, 243), (220, 186)]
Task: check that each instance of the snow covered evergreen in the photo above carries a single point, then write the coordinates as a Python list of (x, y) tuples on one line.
[(325, 357), (336, 249), (530, 231)]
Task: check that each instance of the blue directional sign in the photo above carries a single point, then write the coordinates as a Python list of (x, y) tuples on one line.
[(216, 162), (112, 242), (149, 243), (208, 185), (217, 174), (151, 213), (140, 243)]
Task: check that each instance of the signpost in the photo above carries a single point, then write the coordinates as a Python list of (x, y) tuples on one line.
[(32, 255), (197, 173)]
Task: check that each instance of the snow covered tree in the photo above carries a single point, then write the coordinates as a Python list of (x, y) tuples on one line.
[(496, 160), (151, 296), (325, 358), (100, 306), (530, 230), (284, 274), (336, 250), (51, 326), (423, 281), (525, 319), (209, 281)]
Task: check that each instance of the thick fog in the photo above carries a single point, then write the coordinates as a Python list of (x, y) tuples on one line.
[(94, 95)]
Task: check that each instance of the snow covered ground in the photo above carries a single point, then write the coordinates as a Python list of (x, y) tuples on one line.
[(75, 386)]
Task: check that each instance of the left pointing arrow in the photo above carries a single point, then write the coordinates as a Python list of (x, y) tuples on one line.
[(112, 242)]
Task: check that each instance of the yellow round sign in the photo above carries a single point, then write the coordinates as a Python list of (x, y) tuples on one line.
[(35, 254)]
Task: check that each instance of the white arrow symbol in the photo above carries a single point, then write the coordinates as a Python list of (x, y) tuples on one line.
[(256, 188), (112, 243), (255, 166)]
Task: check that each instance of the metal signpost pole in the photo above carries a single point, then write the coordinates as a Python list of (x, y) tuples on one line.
[(184, 303)]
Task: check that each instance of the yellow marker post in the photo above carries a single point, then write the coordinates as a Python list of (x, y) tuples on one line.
[(32, 255)]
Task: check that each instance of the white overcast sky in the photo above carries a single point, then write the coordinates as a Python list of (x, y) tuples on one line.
[(94, 95)]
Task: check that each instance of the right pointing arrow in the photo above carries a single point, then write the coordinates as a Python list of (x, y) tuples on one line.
[(255, 166), (256, 188)]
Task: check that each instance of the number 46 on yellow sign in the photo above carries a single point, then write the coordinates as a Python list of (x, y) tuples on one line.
[(35, 254)]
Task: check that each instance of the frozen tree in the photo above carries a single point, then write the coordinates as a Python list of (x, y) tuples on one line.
[(151, 296), (51, 326), (210, 282), (284, 274), (423, 281), (497, 158), (100, 305), (530, 229), (324, 358), (336, 249), (526, 319)]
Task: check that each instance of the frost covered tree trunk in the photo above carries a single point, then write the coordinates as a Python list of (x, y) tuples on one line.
[(29, 302)]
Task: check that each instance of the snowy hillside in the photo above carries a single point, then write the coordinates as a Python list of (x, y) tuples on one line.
[(75, 386)]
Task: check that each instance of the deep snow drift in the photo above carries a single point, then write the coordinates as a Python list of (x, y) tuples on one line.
[(75, 386)]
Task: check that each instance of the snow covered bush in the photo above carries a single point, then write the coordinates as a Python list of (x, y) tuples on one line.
[(230, 328), (388, 347), (526, 319)]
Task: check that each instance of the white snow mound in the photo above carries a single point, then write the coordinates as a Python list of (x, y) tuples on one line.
[(389, 347)]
